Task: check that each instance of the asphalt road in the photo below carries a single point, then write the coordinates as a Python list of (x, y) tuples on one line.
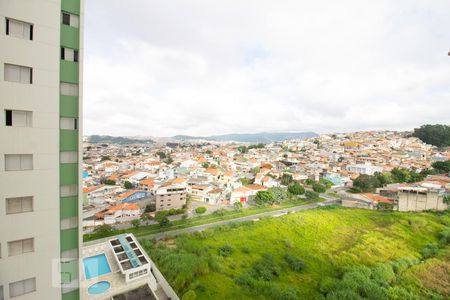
[(275, 213)]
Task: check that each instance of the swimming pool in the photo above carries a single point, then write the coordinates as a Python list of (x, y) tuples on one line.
[(99, 287), (95, 266)]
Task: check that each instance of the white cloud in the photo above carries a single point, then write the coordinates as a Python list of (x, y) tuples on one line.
[(206, 67)]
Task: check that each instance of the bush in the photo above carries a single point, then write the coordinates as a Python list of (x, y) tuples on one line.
[(264, 197), (429, 250), (294, 263), (136, 223), (279, 194), (104, 230), (265, 269), (318, 188), (189, 295), (310, 195), (444, 236), (225, 250), (200, 210), (296, 189), (150, 208)]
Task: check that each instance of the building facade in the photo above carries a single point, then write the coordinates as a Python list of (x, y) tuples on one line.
[(420, 199), (168, 197), (40, 130)]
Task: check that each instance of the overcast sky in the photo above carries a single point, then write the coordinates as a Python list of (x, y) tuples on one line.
[(202, 67)]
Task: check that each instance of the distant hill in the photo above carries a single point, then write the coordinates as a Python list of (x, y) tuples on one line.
[(117, 140), (263, 137), (437, 135)]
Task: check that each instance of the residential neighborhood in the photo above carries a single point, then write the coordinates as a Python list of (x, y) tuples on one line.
[(123, 182)]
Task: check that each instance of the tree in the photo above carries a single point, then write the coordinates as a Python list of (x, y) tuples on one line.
[(309, 181), (209, 152), (238, 205), (109, 182), (318, 188), (279, 194), (136, 223), (162, 219), (104, 230), (200, 210), (286, 179), (150, 208), (106, 157), (400, 175), (442, 166), (128, 185), (145, 218), (168, 160), (242, 149), (161, 155), (205, 165), (296, 189), (436, 135), (246, 181), (264, 197), (311, 195), (366, 183)]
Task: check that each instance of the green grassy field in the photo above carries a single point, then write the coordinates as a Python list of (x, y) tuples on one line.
[(144, 230), (248, 260)]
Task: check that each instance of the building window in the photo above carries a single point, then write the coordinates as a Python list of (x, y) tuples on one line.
[(18, 118), (22, 287), (69, 255), (70, 20), (68, 89), (69, 190), (20, 247), (19, 205), (18, 162), (69, 54), (19, 29), (69, 223), (68, 157), (20, 74), (68, 123)]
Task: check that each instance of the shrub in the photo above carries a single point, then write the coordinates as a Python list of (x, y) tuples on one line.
[(200, 210), (264, 197), (136, 223), (245, 250), (265, 269), (104, 230), (444, 236), (150, 208), (225, 250), (294, 262), (429, 250), (296, 189), (318, 188), (189, 295), (310, 195)]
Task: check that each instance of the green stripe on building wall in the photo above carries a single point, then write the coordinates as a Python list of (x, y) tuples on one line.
[(68, 106), (71, 6), (70, 37), (69, 239), (73, 295), (68, 140), (68, 174), (68, 71), (68, 207)]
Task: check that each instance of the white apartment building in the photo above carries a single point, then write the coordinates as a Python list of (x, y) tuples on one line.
[(40, 130)]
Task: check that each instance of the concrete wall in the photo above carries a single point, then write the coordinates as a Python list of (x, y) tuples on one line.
[(420, 201)]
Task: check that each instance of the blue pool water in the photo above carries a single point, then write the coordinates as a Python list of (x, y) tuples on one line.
[(99, 287), (95, 266)]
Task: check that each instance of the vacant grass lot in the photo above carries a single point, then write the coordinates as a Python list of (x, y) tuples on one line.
[(249, 260), (144, 230)]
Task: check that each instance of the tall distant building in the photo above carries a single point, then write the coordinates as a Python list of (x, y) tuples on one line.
[(40, 130)]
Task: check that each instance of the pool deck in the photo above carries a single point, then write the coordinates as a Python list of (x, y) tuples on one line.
[(115, 278)]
